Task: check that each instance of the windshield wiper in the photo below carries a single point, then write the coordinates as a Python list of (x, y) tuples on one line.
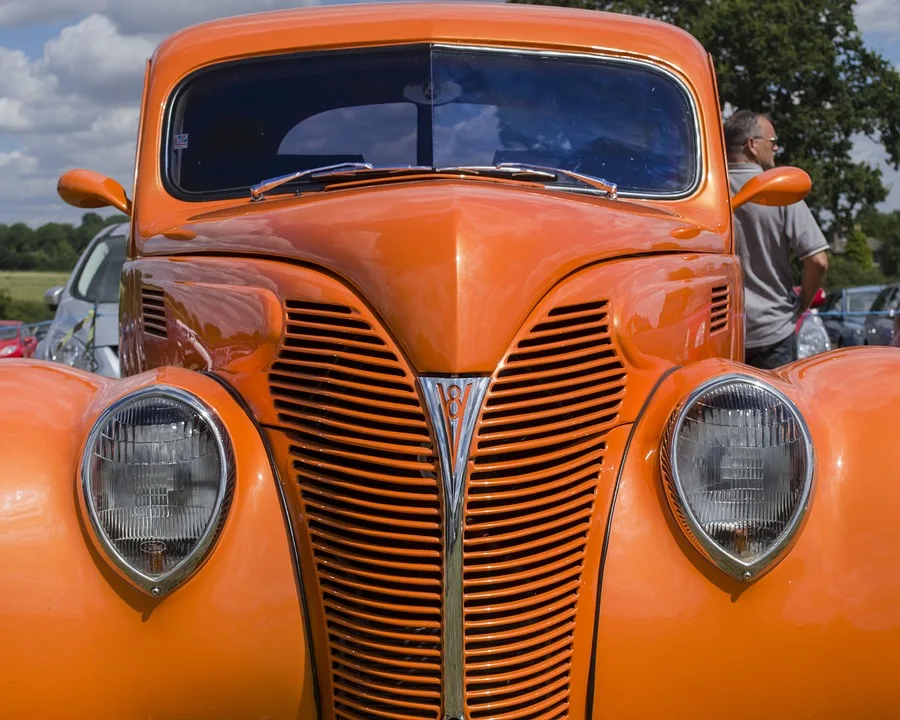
[(331, 172), (525, 169), (514, 171)]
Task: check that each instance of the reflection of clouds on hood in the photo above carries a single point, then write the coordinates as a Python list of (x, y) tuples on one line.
[(381, 134)]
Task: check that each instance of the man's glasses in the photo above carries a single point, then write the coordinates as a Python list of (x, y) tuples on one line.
[(773, 140)]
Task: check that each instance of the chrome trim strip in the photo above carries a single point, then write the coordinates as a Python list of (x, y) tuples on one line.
[(165, 583), (735, 567), (454, 404)]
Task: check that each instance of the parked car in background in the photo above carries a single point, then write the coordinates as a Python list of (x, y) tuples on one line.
[(846, 328), (812, 338), (879, 326), (895, 339), (85, 330), (15, 341)]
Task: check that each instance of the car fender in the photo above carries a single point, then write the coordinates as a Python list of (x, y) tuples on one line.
[(818, 635), (78, 640)]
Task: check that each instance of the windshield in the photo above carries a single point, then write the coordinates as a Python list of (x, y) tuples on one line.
[(98, 278), (861, 301), (236, 124), (9, 332)]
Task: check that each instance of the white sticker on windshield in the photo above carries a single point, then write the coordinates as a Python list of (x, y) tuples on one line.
[(181, 142)]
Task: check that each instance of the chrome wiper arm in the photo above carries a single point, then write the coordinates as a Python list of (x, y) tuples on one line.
[(514, 171), (260, 189), (349, 170), (610, 188)]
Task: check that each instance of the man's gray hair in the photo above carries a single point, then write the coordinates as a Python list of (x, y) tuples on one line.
[(739, 128)]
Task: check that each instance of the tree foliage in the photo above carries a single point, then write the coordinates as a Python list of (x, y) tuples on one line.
[(803, 62), (54, 246)]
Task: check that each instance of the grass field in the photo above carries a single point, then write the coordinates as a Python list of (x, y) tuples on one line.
[(30, 286)]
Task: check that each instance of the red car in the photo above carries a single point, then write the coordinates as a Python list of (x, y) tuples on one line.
[(14, 342)]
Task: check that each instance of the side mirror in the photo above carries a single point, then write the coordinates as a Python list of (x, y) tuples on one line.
[(89, 189), (775, 187), (51, 297)]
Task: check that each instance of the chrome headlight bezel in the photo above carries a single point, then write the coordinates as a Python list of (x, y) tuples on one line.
[(166, 582), (681, 508)]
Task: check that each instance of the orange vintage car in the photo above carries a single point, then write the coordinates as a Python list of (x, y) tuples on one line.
[(434, 402)]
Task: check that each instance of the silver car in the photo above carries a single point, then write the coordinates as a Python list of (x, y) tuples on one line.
[(85, 331), (880, 324)]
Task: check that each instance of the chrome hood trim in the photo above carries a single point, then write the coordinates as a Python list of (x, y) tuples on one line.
[(454, 404)]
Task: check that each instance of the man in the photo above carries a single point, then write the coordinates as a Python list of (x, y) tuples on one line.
[(766, 238)]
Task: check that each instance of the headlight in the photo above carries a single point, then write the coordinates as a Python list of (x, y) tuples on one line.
[(812, 338), (66, 349), (157, 481), (8, 350), (738, 466)]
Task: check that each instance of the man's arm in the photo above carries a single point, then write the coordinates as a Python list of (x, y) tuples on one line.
[(814, 269)]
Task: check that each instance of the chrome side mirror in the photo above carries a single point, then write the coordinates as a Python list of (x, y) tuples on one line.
[(51, 297)]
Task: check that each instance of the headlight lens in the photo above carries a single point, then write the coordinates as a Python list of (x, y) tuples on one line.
[(67, 350), (157, 481), (738, 472), (812, 338), (8, 350)]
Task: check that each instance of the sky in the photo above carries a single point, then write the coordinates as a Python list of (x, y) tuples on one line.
[(70, 82)]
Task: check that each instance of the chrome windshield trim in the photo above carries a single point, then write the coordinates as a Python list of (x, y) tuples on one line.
[(164, 148), (454, 404)]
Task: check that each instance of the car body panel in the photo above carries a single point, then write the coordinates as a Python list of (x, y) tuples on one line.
[(826, 620), (487, 245), (58, 593)]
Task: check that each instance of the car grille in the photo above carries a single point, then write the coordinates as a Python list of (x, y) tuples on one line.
[(365, 470), (528, 508), (369, 491)]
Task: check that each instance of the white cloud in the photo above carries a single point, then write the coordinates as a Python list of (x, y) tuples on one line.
[(878, 16), (93, 58), (134, 17)]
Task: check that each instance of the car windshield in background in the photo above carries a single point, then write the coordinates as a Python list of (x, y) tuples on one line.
[(236, 124), (98, 278), (861, 301), (9, 332)]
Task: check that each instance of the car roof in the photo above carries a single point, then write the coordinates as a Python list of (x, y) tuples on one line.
[(299, 29), (865, 288)]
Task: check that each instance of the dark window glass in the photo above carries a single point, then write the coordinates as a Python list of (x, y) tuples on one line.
[(237, 124), (861, 301), (9, 332)]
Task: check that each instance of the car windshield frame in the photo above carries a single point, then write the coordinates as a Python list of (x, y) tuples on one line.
[(694, 153), (102, 267), (10, 332)]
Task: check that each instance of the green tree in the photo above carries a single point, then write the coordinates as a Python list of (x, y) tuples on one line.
[(858, 251), (884, 227), (803, 62)]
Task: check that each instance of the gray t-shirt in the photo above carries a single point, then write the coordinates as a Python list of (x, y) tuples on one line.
[(765, 240)]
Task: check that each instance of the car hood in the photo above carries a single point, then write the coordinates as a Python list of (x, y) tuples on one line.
[(437, 254)]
